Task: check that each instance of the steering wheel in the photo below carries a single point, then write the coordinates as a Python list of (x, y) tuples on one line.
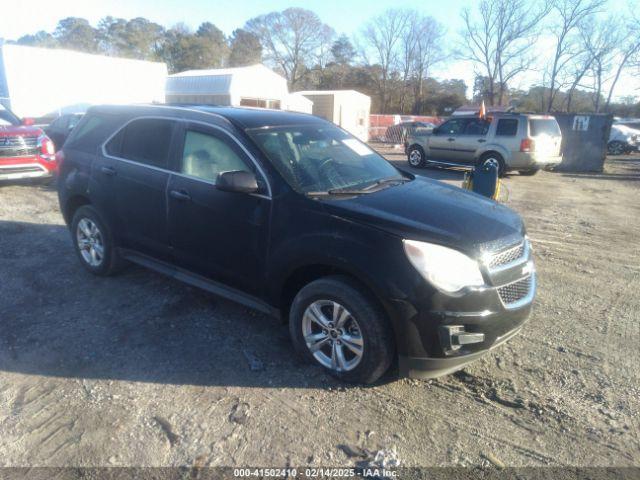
[(328, 171), (324, 163)]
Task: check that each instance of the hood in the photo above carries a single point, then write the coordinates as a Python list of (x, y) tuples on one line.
[(19, 131), (429, 210), (623, 133)]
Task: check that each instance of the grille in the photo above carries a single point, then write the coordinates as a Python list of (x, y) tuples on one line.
[(507, 256), (18, 146), (515, 291)]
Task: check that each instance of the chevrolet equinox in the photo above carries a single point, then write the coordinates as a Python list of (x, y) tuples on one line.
[(289, 214)]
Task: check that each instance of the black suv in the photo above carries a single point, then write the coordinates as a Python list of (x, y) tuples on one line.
[(290, 215)]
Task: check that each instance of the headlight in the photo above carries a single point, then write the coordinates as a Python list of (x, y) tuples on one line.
[(443, 267)]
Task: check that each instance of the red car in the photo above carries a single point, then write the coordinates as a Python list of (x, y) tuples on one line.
[(25, 150)]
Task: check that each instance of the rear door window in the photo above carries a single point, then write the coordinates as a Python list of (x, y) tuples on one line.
[(146, 140), (507, 127), (544, 126)]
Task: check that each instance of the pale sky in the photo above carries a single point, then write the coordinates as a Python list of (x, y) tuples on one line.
[(345, 16)]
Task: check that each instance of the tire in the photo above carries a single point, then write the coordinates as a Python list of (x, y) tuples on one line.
[(98, 253), (492, 156), (616, 148), (365, 328), (416, 157), (529, 173)]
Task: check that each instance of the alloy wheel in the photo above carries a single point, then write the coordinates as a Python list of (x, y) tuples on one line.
[(415, 157), (90, 242), (332, 335), (616, 148)]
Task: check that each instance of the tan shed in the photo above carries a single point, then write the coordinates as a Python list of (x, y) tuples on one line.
[(346, 108)]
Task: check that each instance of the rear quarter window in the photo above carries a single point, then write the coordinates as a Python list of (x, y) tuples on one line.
[(507, 127), (544, 126), (92, 131)]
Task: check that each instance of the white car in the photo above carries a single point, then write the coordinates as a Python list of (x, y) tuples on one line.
[(623, 139)]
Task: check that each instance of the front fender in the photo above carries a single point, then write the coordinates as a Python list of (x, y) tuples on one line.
[(355, 253), (354, 249)]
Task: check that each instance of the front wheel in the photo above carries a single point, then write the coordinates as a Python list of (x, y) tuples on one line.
[(616, 148), (416, 157), (334, 323)]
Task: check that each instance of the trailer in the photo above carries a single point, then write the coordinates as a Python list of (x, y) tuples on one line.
[(44, 83)]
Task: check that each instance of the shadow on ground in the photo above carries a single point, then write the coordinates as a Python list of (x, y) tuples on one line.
[(56, 319)]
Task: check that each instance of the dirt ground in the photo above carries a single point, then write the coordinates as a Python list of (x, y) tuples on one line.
[(140, 370)]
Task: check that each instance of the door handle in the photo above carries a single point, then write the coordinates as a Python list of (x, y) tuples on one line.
[(451, 139), (108, 171), (482, 140), (181, 195)]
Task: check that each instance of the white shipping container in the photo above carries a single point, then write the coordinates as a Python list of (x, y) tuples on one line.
[(44, 82), (348, 109)]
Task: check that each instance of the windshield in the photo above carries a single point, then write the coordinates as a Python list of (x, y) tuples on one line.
[(315, 158), (547, 126), (7, 118)]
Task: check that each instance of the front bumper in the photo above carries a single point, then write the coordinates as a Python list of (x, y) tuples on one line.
[(440, 333), (424, 368), (26, 167)]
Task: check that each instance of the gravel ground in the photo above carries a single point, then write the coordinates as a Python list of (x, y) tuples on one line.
[(140, 370)]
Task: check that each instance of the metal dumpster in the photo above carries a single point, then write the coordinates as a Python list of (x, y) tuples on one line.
[(584, 141)]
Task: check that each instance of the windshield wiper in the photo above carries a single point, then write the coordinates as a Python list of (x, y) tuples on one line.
[(337, 191), (384, 181), (359, 191)]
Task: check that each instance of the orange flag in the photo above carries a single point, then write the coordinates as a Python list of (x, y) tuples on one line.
[(483, 111)]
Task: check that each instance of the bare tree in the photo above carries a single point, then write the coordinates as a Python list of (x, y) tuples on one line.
[(570, 14), (500, 39), (382, 36), (580, 66), (601, 40), (292, 40), (408, 50), (428, 53), (629, 53)]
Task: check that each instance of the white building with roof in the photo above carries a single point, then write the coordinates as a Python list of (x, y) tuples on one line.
[(252, 86)]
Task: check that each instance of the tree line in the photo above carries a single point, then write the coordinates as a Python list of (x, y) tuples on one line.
[(393, 56)]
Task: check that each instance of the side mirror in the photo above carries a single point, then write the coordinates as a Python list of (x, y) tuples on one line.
[(27, 122), (237, 181)]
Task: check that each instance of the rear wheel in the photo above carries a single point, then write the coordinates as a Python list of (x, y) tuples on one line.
[(94, 242), (496, 158), (416, 157), (335, 324)]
